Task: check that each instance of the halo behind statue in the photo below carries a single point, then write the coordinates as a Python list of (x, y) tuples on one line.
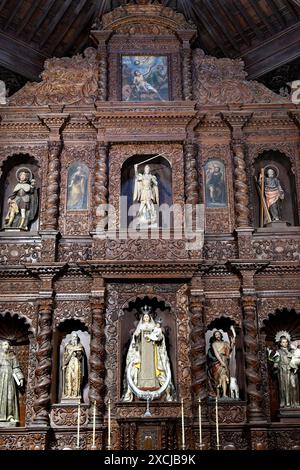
[(272, 167), (281, 333), (25, 169)]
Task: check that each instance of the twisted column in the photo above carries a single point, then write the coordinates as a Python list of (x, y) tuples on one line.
[(236, 122), (197, 341), (241, 190), (254, 383), (100, 190), (43, 364), (52, 202), (97, 358), (102, 82)]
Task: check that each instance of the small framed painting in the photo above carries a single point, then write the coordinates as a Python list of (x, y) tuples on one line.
[(145, 78), (215, 184)]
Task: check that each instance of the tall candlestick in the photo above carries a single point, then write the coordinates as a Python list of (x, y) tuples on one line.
[(217, 425), (94, 427), (182, 426), (109, 426), (78, 427), (200, 425)]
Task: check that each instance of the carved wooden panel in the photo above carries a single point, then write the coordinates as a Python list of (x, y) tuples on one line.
[(223, 307), (72, 310)]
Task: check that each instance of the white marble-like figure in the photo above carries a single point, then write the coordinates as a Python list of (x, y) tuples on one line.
[(147, 359), (147, 194)]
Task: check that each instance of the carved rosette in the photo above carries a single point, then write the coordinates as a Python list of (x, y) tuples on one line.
[(100, 190), (197, 339), (97, 358), (43, 364), (254, 383), (51, 213)]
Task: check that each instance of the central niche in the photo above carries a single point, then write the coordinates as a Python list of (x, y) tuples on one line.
[(147, 354), (146, 190)]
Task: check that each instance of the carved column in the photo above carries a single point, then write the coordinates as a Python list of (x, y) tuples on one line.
[(101, 38), (97, 356), (236, 121), (43, 364), (254, 382), (191, 174), (55, 124), (100, 190), (187, 83), (197, 342)]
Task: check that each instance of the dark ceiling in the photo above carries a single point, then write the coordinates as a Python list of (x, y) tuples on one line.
[(264, 33)]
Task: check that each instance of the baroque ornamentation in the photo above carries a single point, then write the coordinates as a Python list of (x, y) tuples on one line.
[(68, 309), (220, 81), (68, 415), (20, 253), (64, 80)]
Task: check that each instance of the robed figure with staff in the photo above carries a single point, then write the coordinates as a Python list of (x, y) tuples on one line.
[(271, 195)]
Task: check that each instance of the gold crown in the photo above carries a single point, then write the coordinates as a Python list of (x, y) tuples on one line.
[(146, 309)]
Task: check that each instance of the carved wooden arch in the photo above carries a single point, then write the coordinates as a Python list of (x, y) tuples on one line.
[(268, 307), (150, 296), (9, 152), (226, 308), (289, 150), (80, 312), (38, 152), (21, 316)]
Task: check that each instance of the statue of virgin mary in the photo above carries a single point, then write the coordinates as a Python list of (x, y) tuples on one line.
[(148, 370)]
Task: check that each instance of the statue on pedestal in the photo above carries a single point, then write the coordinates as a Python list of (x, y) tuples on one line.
[(11, 377), (286, 361), (146, 193), (218, 357), (72, 368), (271, 195), (23, 202), (147, 362)]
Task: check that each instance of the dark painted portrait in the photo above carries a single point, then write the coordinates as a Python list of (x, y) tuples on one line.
[(215, 184)]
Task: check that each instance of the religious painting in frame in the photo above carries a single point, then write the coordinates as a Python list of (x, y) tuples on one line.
[(145, 78), (77, 195), (215, 184)]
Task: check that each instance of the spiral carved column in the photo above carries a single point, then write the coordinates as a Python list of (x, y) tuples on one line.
[(100, 190), (241, 190), (254, 383), (197, 341), (43, 364), (97, 358), (52, 202)]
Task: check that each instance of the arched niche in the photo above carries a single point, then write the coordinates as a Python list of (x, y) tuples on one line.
[(77, 187), (236, 363), (18, 331), (11, 170), (282, 166), (160, 167), (281, 320), (128, 322), (61, 336)]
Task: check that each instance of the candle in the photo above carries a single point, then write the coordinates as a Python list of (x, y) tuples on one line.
[(200, 425), (217, 424), (109, 425), (182, 425), (94, 426), (78, 427)]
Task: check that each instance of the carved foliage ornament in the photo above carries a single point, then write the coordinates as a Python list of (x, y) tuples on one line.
[(221, 81), (66, 80)]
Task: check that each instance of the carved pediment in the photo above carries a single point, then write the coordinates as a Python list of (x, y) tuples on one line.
[(143, 18), (64, 81), (222, 81)]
